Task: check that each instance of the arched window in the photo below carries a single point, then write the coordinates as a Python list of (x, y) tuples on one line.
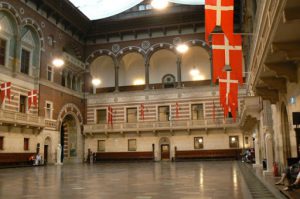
[(7, 39)]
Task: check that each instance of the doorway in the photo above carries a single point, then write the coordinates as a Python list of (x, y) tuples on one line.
[(165, 152), (45, 154)]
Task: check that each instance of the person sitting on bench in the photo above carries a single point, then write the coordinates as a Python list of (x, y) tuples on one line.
[(290, 173), (295, 185)]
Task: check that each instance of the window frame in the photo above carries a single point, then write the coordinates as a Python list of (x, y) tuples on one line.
[(30, 60), (26, 103), (26, 144), (98, 146), (126, 114), (157, 113), (134, 148), (201, 145), (196, 104), (234, 144), (52, 73), (5, 50), (51, 110), (96, 115), (6, 37)]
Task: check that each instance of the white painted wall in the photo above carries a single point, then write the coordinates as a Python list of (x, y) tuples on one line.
[(104, 69)]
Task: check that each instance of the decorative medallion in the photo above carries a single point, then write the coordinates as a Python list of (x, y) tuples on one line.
[(115, 48), (176, 41), (43, 24), (22, 11), (145, 45)]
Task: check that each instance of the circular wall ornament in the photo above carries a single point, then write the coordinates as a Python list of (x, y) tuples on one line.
[(115, 48), (176, 40), (43, 24), (145, 45), (22, 11)]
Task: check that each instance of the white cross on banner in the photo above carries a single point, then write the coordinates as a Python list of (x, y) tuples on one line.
[(227, 48), (32, 98), (5, 90), (228, 82), (219, 8)]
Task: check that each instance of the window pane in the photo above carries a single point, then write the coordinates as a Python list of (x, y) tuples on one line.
[(26, 144), (25, 61), (131, 115), (101, 145), (2, 51), (198, 142), (101, 116), (163, 113), (23, 104), (132, 145), (234, 141), (197, 112), (49, 73)]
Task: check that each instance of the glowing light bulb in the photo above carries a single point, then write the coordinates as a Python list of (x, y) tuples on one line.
[(96, 82), (182, 48), (58, 62), (159, 4)]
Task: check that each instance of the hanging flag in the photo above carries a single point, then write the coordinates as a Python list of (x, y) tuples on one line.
[(5, 91), (219, 13), (177, 110), (32, 98), (228, 88), (142, 111), (225, 54), (110, 115)]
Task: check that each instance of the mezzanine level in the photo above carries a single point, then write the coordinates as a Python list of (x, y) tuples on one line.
[(157, 126)]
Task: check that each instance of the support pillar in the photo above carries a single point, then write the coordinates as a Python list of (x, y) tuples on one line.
[(147, 79), (269, 153), (179, 61), (117, 66), (257, 151)]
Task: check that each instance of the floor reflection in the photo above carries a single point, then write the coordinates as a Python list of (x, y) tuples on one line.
[(181, 180)]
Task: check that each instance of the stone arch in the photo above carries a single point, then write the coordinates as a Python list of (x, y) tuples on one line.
[(198, 42), (35, 26), (98, 53), (72, 109), (285, 133), (130, 49), (159, 46), (10, 9)]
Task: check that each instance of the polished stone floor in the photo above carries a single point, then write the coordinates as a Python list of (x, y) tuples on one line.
[(161, 180)]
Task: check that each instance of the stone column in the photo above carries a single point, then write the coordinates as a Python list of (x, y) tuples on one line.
[(147, 79), (269, 152), (179, 60), (18, 52), (65, 73), (257, 150), (117, 66)]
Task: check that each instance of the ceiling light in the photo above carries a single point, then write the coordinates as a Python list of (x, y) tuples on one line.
[(96, 82), (138, 82), (159, 4), (58, 62), (182, 48)]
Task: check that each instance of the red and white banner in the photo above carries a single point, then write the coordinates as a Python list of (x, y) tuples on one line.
[(5, 90), (110, 115), (177, 110), (225, 54), (142, 111), (32, 98), (228, 88), (219, 13)]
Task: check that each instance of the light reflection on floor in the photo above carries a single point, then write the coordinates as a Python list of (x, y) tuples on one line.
[(162, 180)]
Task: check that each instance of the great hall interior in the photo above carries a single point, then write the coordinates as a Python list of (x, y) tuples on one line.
[(99, 94)]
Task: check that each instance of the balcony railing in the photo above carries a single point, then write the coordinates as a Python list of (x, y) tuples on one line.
[(21, 119), (161, 126), (50, 124)]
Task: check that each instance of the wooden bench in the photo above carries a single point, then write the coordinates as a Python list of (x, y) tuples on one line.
[(208, 154), (124, 156), (15, 159)]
